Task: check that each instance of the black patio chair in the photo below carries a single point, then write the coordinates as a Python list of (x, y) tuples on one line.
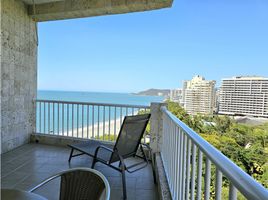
[(127, 144), (80, 184)]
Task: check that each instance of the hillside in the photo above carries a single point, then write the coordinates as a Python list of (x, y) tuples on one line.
[(154, 92)]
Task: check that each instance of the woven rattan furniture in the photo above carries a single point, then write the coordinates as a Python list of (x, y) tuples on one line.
[(127, 144), (80, 184)]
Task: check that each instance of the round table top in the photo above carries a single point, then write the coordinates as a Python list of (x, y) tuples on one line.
[(13, 194)]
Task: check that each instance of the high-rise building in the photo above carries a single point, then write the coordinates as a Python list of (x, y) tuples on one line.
[(176, 96), (199, 95), (244, 95)]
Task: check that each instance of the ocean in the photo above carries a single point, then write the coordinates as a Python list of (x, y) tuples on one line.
[(86, 121), (99, 97)]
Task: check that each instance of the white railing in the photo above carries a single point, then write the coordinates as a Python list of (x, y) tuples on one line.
[(190, 163), (82, 119)]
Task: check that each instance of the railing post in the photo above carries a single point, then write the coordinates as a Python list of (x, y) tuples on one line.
[(156, 126)]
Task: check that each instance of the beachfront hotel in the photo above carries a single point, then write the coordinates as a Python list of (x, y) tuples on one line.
[(199, 95), (244, 95)]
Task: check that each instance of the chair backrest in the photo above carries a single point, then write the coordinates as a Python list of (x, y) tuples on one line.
[(130, 135), (84, 183)]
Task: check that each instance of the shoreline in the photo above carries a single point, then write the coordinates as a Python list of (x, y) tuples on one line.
[(98, 131), (94, 131), (87, 132)]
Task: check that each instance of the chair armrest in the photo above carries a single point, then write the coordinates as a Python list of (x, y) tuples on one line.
[(146, 145), (150, 151), (45, 182), (106, 148), (110, 150), (102, 147)]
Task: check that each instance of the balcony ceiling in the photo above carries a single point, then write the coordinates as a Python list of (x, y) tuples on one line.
[(48, 10)]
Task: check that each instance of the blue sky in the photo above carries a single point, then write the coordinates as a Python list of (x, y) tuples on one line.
[(156, 49)]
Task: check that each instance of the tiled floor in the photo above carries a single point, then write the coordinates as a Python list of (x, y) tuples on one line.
[(28, 165)]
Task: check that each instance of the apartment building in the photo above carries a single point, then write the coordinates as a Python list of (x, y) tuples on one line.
[(199, 95), (176, 95), (244, 95)]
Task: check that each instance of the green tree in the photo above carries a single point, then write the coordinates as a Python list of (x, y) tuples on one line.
[(245, 145)]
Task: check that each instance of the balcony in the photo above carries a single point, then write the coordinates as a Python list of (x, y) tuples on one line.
[(28, 165), (187, 166), (185, 162)]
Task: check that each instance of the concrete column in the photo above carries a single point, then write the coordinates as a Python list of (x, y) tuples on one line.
[(0, 74), (18, 74), (156, 126)]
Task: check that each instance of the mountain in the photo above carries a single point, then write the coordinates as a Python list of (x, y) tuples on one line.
[(155, 92)]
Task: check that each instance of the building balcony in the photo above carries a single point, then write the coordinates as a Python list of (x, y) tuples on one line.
[(187, 166), (34, 134), (28, 165)]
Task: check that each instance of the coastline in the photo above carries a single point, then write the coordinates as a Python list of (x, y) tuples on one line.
[(87, 132)]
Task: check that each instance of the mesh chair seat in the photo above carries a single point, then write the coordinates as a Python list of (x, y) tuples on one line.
[(89, 148)]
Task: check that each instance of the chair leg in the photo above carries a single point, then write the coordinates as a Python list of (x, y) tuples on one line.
[(144, 155), (124, 182), (71, 155), (93, 163)]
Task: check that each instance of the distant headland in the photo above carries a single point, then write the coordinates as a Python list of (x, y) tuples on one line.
[(154, 92)]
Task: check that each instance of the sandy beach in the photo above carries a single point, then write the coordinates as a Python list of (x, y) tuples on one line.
[(95, 131)]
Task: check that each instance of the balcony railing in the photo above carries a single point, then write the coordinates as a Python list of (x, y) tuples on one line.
[(82, 119), (184, 152), (194, 168)]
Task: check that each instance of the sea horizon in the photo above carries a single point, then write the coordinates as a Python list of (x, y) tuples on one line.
[(109, 118), (90, 91), (98, 97)]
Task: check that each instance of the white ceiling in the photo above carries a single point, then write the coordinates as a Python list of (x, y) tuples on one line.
[(39, 1)]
